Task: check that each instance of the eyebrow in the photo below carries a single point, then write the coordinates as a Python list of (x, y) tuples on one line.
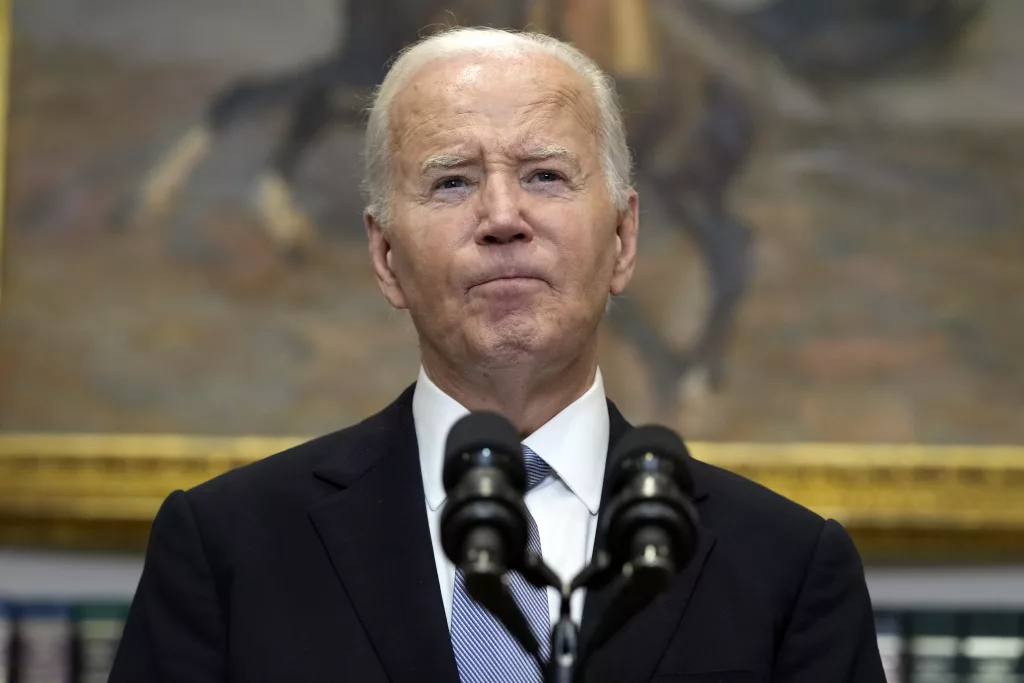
[(443, 162), (553, 152)]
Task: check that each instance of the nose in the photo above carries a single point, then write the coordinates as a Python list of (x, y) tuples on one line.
[(501, 218)]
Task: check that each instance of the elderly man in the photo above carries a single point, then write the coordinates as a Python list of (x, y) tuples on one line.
[(501, 217)]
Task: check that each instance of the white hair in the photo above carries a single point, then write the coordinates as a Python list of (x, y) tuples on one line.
[(615, 157)]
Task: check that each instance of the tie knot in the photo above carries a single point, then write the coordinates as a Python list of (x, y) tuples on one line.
[(536, 468)]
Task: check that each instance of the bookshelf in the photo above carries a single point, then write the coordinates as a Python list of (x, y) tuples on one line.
[(65, 575), (918, 609)]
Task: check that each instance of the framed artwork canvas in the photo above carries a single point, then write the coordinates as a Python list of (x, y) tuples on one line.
[(829, 291)]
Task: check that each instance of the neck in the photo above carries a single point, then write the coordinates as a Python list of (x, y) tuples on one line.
[(527, 394)]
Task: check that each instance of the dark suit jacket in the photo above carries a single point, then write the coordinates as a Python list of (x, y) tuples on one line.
[(316, 565)]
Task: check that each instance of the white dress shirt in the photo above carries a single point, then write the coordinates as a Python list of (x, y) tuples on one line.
[(574, 443)]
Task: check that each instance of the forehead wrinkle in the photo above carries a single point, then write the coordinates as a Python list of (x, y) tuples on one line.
[(553, 101), (426, 113), (425, 123), (412, 114)]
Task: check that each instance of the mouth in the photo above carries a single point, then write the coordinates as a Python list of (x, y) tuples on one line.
[(512, 278), (509, 278), (503, 287)]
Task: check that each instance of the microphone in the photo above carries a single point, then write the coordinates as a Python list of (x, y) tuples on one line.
[(649, 529), (651, 521), (484, 521)]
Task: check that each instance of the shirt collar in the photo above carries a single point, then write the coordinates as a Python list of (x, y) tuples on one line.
[(574, 442)]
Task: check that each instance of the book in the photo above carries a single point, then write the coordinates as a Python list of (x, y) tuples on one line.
[(993, 648), (6, 643), (98, 627), (933, 648), (889, 630), (43, 646)]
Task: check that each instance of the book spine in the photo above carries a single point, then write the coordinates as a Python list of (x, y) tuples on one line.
[(934, 648), (6, 643), (44, 644), (993, 649), (890, 645), (99, 628)]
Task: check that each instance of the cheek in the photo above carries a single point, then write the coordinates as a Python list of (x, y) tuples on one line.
[(427, 261), (587, 246), (425, 270)]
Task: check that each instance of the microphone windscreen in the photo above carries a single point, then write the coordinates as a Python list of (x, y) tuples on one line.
[(477, 431), (660, 441)]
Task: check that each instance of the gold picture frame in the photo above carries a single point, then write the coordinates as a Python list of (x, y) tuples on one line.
[(941, 503), (900, 502)]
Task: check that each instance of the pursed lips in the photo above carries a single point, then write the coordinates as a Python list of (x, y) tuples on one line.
[(508, 274)]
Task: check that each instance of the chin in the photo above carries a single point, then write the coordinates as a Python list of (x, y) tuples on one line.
[(504, 345), (545, 334)]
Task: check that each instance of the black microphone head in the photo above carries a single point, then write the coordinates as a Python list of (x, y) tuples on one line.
[(651, 448), (483, 525), (483, 438)]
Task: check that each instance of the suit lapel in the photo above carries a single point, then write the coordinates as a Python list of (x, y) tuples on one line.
[(633, 653), (376, 533)]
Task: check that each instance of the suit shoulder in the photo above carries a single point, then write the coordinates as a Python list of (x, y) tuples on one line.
[(284, 470), (736, 502), (760, 529), (273, 470)]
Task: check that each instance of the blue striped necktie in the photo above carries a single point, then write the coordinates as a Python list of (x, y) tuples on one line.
[(485, 651)]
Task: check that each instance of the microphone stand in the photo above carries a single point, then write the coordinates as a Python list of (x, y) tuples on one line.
[(638, 582), (564, 644), (646, 571), (564, 664)]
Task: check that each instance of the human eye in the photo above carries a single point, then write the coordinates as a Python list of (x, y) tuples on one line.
[(545, 176), (450, 183), (451, 188)]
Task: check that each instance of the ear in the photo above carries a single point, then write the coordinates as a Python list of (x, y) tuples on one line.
[(381, 258), (626, 233)]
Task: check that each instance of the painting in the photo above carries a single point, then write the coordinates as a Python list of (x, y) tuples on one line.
[(831, 221), (831, 236), (829, 296)]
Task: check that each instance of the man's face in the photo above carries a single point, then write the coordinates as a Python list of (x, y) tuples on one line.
[(503, 241)]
